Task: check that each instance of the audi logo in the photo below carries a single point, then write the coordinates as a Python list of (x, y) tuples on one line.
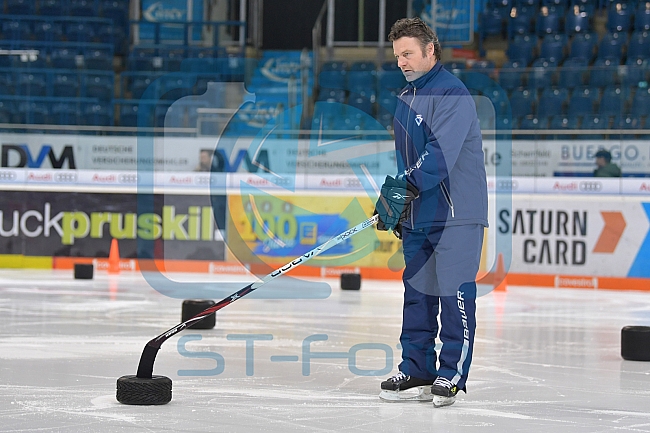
[(507, 185), (7, 176), (352, 183), (590, 186), (202, 180), (65, 177), (128, 178)]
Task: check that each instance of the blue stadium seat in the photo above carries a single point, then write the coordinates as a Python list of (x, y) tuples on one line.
[(588, 6), (361, 102), (619, 18), (641, 102), (63, 113), (582, 101), (172, 59), (332, 95), (362, 77), (31, 84), (116, 10), (113, 35), (521, 102), (603, 72), (593, 122), (16, 30), (520, 20), (48, 31), (552, 48), (582, 46), (6, 84), (532, 123), (33, 113), (6, 111), (129, 114), (639, 45), (51, 8), (474, 78), (635, 71), (642, 17), (566, 123), (576, 21), (541, 74), (40, 62), (522, 49), (98, 115), (548, 22), (491, 22), (137, 85), (65, 85), (336, 73), (99, 59), (83, 8), (498, 99), (79, 31), (99, 86), (612, 102), (611, 46), (63, 58), (551, 102), (572, 73), (387, 102), (390, 77), (626, 122), (511, 74), (19, 7)]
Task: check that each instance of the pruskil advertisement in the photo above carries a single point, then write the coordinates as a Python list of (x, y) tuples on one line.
[(76, 224), (578, 235)]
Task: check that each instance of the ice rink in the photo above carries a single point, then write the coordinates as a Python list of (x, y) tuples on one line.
[(545, 360)]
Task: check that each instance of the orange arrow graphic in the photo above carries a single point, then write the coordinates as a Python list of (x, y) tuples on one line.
[(612, 232)]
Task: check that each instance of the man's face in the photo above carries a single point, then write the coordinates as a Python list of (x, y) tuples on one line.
[(600, 161), (411, 60), (205, 158)]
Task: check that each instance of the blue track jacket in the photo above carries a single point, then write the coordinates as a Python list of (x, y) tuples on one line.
[(440, 151)]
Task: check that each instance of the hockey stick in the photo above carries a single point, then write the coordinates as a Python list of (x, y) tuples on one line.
[(145, 368)]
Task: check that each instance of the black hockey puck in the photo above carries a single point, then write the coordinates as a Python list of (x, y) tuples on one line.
[(143, 392), (192, 307), (635, 343), (83, 271), (350, 281)]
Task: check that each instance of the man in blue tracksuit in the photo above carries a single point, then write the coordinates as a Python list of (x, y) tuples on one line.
[(437, 204)]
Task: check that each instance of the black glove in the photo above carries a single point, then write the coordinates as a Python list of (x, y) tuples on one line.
[(394, 203), (397, 231)]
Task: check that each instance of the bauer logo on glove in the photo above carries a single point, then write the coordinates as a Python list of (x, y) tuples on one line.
[(394, 203)]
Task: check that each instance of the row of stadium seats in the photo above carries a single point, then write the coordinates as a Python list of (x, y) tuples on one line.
[(613, 46), (63, 55), (58, 83), (591, 122), (540, 21), (55, 111), (116, 10)]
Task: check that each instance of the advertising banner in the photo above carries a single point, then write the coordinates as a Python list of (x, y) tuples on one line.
[(265, 154), (274, 229), (77, 224), (578, 235)]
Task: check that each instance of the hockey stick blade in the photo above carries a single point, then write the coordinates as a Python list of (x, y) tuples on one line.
[(145, 367)]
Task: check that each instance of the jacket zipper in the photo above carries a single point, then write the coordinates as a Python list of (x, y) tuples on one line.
[(408, 117), (447, 195)]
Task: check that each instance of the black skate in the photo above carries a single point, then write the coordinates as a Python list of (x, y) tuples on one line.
[(444, 392), (394, 388)]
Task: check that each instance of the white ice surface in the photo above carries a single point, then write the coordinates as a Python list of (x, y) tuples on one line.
[(545, 360)]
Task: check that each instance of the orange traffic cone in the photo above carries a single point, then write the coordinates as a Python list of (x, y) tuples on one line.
[(114, 258), (500, 275)]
